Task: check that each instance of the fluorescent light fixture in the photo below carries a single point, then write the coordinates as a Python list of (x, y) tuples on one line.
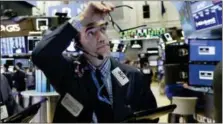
[(35, 32), (115, 41), (152, 51), (136, 46), (173, 41)]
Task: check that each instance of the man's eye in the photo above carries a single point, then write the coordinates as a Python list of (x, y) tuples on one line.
[(103, 29), (90, 33)]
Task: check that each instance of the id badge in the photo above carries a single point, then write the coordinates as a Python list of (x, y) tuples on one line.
[(3, 112)]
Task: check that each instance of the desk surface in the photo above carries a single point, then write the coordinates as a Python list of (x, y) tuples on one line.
[(34, 93)]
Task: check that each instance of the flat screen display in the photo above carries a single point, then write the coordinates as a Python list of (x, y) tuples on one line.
[(25, 62), (32, 42), (13, 45), (136, 44), (10, 62)]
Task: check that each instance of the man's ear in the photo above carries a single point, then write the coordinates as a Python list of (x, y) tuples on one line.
[(77, 41)]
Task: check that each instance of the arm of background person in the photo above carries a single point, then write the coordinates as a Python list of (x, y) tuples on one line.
[(9, 100)]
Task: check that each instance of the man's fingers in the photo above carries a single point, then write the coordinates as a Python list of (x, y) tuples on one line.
[(110, 6), (102, 7), (97, 6)]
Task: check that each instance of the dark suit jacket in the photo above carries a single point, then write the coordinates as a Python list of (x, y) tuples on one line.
[(6, 97), (9, 75), (133, 96), (217, 86), (19, 78)]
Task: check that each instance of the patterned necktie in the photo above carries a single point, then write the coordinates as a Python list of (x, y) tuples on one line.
[(103, 90)]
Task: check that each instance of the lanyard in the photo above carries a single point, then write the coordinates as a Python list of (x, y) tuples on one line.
[(100, 97)]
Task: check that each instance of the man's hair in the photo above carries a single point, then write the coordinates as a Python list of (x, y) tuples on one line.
[(6, 66), (19, 64)]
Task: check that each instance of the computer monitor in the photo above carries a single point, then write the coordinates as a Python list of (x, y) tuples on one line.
[(19, 45), (13, 45), (32, 42), (25, 62), (8, 61), (136, 44)]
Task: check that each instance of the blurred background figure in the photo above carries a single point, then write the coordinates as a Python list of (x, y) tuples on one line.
[(6, 97), (8, 75), (30, 82), (147, 72), (19, 79), (30, 79)]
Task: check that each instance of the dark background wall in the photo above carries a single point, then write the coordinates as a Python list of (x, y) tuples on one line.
[(21, 7)]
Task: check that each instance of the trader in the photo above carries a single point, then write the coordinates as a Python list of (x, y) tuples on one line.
[(94, 88), (8, 75), (20, 83), (8, 106)]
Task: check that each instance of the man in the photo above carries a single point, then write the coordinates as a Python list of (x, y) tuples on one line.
[(7, 102), (20, 84), (30, 82), (8, 75), (96, 88)]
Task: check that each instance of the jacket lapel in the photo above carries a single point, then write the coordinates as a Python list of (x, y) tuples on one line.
[(120, 107)]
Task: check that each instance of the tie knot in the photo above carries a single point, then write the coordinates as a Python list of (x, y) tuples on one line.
[(97, 71)]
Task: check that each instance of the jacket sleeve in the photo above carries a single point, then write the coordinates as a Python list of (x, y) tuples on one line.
[(146, 99), (217, 87), (47, 55), (8, 98), (13, 107)]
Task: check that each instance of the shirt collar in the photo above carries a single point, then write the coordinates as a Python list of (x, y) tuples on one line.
[(104, 68)]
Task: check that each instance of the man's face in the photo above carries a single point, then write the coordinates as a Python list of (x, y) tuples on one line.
[(95, 40)]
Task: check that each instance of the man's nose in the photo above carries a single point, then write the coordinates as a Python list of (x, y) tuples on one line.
[(100, 37)]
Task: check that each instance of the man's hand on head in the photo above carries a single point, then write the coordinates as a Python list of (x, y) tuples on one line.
[(95, 11)]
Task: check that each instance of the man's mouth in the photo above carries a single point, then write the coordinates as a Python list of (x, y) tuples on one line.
[(102, 46)]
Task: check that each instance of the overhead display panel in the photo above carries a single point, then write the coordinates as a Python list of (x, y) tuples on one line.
[(206, 14)]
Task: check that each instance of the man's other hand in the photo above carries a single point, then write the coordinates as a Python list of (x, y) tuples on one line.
[(95, 11)]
